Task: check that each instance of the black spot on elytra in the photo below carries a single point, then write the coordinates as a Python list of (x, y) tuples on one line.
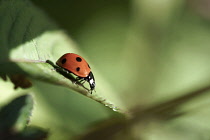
[(88, 66), (63, 61), (78, 68), (78, 59)]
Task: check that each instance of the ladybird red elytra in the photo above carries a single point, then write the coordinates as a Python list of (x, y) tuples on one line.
[(73, 63)]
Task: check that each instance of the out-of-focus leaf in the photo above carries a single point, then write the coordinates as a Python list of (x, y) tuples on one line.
[(4, 77), (61, 108), (30, 133), (33, 133), (16, 114), (20, 81), (106, 129), (29, 38)]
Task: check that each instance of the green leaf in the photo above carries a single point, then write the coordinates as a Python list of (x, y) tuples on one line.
[(16, 114), (151, 52), (33, 133), (60, 108), (30, 38)]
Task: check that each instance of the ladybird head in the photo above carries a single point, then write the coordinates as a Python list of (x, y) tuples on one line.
[(91, 81)]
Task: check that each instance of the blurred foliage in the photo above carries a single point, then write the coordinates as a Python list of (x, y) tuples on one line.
[(14, 118), (149, 58)]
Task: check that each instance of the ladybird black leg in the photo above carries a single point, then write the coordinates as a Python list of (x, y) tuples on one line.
[(82, 81), (79, 80), (90, 91), (75, 81)]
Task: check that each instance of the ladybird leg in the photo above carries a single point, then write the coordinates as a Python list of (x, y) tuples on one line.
[(91, 91), (77, 80), (57, 68), (80, 80)]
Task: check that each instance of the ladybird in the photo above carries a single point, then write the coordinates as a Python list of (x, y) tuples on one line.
[(73, 63)]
